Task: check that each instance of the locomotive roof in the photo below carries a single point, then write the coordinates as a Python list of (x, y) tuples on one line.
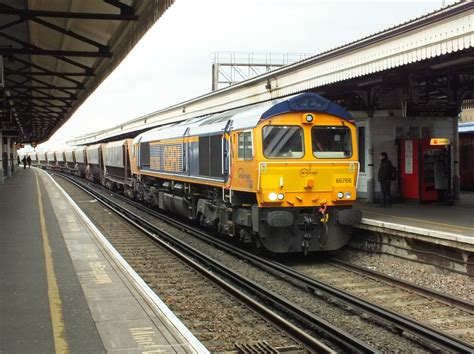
[(244, 117)]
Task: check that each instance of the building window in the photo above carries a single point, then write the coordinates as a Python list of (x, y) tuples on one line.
[(245, 150), (361, 138)]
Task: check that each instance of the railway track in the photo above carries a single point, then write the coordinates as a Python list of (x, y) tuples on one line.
[(179, 287), (391, 332), (446, 313)]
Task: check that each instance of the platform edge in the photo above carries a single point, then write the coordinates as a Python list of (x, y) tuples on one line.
[(141, 286)]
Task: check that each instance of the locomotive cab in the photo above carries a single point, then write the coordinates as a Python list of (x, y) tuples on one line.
[(305, 167)]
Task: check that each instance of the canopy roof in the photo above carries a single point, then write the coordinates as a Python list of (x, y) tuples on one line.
[(57, 52), (429, 56)]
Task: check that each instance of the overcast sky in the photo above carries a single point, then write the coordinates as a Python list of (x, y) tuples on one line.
[(172, 62)]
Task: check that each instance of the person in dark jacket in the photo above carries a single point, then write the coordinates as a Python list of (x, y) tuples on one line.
[(19, 161), (29, 161), (24, 162), (385, 179)]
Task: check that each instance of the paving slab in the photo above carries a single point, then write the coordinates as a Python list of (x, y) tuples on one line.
[(451, 223)]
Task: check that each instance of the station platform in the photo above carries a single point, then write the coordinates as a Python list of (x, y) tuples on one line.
[(443, 224), (65, 289)]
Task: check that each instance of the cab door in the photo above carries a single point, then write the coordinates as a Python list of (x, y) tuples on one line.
[(244, 169)]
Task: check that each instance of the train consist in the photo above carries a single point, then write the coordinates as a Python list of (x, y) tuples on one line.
[(280, 175)]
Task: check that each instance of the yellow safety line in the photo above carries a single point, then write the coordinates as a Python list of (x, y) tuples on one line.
[(420, 220), (57, 321)]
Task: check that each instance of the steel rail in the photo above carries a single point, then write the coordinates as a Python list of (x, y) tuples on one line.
[(340, 337), (401, 322)]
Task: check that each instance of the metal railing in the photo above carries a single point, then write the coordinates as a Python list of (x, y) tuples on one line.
[(229, 68)]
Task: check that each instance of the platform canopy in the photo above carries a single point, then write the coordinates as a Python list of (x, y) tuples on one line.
[(422, 67), (55, 53)]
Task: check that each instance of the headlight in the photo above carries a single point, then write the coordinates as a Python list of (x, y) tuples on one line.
[(340, 195), (309, 118), (348, 195), (281, 196), (272, 196)]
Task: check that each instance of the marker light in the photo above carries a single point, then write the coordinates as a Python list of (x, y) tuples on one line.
[(281, 196), (340, 195), (309, 118), (272, 196), (348, 195)]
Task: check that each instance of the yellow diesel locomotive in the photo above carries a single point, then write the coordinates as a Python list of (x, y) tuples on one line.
[(280, 175)]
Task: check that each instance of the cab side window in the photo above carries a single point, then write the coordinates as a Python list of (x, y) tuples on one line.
[(245, 150)]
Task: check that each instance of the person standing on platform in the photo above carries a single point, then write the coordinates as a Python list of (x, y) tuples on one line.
[(19, 162), (385, 178), (29, 161), (24, 162)]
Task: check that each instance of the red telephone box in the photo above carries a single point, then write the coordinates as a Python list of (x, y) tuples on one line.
[(417, 167)]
